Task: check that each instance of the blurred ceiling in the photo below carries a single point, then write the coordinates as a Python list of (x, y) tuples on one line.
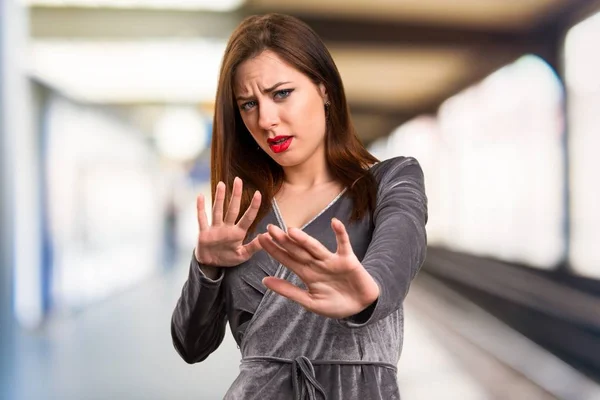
[(497, 14), (398, 58)]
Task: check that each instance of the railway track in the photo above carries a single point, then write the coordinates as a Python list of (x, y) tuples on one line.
[(504, 362)]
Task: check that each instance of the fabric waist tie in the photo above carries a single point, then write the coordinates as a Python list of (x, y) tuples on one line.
[(304, 383)]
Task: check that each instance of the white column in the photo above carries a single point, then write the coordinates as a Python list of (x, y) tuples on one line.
[(7, 353), (21, 166)]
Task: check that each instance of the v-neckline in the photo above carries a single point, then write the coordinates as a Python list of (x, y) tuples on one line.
[(281, 221)]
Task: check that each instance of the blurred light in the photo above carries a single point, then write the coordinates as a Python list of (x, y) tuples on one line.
[(415, 135), (420, 138), (536, 77), (504, 137), (582, 63), (181, 134), (208, 5), (380, 149), (582, 59), (130, 72)]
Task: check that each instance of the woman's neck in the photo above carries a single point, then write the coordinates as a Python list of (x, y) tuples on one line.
[(307, 175)]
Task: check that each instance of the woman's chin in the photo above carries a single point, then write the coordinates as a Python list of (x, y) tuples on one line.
[(285, 159)]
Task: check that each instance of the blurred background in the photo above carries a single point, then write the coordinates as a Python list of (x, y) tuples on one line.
[(105, 127)]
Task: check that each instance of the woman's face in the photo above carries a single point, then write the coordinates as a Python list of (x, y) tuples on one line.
[(282, 108)]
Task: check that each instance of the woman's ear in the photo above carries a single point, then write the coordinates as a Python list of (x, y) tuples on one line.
[(323, 92)]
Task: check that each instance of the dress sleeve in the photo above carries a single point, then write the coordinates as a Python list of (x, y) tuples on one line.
[(199, 319), (399, 243)]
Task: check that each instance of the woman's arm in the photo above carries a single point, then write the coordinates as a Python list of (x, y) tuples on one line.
[(339, 285), (198, 322), (399, 243), (199, 319)]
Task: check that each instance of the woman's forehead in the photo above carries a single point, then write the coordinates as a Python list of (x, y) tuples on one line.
[(264, 70)]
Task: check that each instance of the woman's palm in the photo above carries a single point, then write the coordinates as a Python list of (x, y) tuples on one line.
[(221, 244), (337, 285)]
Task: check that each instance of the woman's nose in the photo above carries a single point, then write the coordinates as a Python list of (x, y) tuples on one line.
[(268, 116)]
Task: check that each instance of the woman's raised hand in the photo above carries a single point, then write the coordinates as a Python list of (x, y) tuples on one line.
[(337, 285), (221, 244)]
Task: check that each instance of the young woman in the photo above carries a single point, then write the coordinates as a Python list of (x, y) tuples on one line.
[(313, 275)]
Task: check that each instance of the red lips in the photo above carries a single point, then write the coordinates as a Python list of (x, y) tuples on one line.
[(276, 139), (279, 144)]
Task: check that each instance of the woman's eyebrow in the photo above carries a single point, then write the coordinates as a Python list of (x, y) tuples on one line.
[(267, 90)]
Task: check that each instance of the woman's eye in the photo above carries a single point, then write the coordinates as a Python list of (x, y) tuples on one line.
[(282, 94), (247, 106)]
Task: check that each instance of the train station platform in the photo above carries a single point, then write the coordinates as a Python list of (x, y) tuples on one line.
[(121, 349)]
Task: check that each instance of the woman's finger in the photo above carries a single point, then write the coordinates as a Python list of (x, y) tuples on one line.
[(310, 244), (279, 254), (295, 250), (201, 211), (344, 247), (286, 289), (234, 204), (218, 205), (251, 212), (252, 247)]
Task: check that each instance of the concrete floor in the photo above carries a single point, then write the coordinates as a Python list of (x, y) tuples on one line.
[(121, 349)]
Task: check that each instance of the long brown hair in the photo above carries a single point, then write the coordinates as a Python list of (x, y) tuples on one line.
[(234, 151)]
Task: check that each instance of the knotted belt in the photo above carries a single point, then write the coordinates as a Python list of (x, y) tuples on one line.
[(304, 383)]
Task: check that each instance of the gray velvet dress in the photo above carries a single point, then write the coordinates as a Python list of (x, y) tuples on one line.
[(291, 353)]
